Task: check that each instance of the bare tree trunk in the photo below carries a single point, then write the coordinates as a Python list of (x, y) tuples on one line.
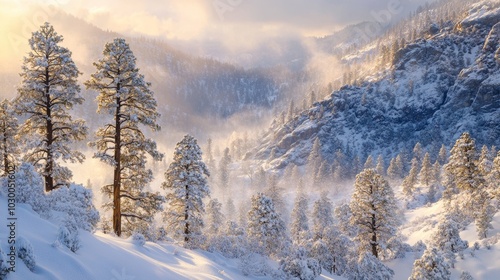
[(117, 222), (186, 217), (49, 164), (374, 238)]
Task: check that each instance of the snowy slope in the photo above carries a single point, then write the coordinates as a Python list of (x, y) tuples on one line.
[(437, 87), (107, 257)]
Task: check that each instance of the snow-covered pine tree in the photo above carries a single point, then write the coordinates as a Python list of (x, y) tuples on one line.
[(332, 251), (210, 158), (436, 173), (380, 168), (314, 159), (214, 217), (463, 173), (9, 147), (410, 181), (443, 155), (275, 193), (484, 218), (392, 172), (127, 98), (322, 215), (343, 215), (485, 162), (322, 175), (430, 266), (369, 267), (447, 239), (299, 266), (265, 227), (426, 172), (369, 163), (418, 153), (49, 90), (493, 179), (373, 209), (300, 223), (186, 185), (223, 170)]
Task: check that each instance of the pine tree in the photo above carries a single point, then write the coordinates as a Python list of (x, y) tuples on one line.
[(332, 251), (373, 209), (314, 160), (275, 193), (418, 153), (9, 148), (322, 174), (485, 162), (186, 185), (121, 143), (265, 226), (426, 172), (436, 173), (447, 239), (214, 217), (430, 266), (48, 92), (493, 179), (369, 267), (443, 155), (380, 165), (210, 158), (224, 171), (391, 170), (300, 223), (369, 163), (322, 215), (291, 111), (410, 181), (484, 218), (463, 174)]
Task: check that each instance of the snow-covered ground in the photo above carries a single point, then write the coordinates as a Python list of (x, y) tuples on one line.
[(103, 256)]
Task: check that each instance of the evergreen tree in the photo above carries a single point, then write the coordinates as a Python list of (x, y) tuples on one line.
[(332, 251), (210, 158), (224, 171), (485, 162), (48, 92), (275, 193), (410, 181), (322, 174), (322, 215), (121, 143), (300, 223), (291, 111), (265, 226), (418, 153), (493, 179), (380, 168), (463, 174), (447, 239), (9, 148), (373, 209), (314, 160), (391, 170), (426, 172), (430, 266), (214, 217), (484, 218), (186, 184), (369, 267), (443, 155), (436, 173), (369, 163)]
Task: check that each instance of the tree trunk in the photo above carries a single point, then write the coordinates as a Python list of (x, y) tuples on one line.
[(117, 213), (186, 217), (49, 164), (374, 238), (5, 150)]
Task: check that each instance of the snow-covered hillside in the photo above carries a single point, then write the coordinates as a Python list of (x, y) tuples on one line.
[(437, 87)]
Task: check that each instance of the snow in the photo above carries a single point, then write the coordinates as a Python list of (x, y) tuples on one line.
[(106, 257)]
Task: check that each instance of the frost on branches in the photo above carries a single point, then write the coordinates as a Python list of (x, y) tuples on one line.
[(373, 209), (9, 148), (430, 266), (48, 92), (265, 228), (126, 97), (186, 186)]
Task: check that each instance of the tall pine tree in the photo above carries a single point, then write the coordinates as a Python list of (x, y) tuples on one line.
[(186, 184), (121, 143), (48, 92), (373, 209)]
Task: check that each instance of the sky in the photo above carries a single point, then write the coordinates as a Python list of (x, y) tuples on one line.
[(227, 20)]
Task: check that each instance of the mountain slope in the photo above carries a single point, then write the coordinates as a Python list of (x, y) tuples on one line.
[(437, 87)]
